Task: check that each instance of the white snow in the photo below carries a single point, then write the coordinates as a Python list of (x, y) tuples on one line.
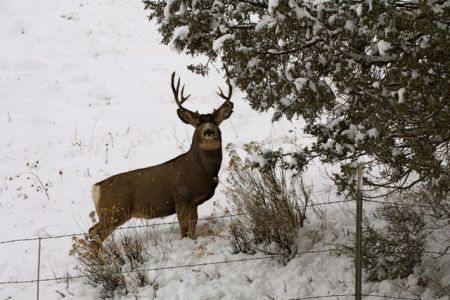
[(253, 62), (332, 19), (383, 47), (329, 145), (179, 33), (167, 9), (312, 86), (286, 101), (401, 95), (350, 133), (266, 20), (396, 152), (359, 9), (300, 83), (373, 133), (218, 44), (272, 4), (350, 26), (260, 160), (85, 91)]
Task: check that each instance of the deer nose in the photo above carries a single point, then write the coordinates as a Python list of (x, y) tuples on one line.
[(208, 133)]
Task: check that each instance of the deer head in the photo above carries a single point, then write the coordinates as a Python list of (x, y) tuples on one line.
[(207, 134)]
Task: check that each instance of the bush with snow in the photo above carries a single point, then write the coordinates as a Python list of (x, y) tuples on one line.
[(376, 66), (118, 266), (416, 222), (270, 202), (394, 250)]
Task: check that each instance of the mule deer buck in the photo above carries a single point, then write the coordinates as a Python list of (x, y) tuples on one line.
[(176, 186)]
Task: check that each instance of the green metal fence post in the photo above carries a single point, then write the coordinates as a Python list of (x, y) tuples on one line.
[(358, 248)]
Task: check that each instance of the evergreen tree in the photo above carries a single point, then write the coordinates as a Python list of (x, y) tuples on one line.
[(370, 78)]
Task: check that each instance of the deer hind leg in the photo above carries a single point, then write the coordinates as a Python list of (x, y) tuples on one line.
[(109, 220), (187, 218)]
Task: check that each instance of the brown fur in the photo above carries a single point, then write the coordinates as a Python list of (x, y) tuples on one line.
[(176, 186)]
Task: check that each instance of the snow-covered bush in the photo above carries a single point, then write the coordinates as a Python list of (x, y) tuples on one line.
[(370, 78), (117, 267), (271, 203), (394, 250), (417, 220), (434, 196)]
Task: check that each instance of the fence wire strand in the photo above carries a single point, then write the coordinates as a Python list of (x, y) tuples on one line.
[(397, 204), (391, 297), (155, 224), (69, 277), (336, 296), (323, 297), (120, 228)]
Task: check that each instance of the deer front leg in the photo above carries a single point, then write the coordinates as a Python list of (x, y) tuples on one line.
[(193, 217), (183, 217), (187, 218)]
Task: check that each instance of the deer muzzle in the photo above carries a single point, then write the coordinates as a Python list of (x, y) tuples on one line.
[(209, 132)]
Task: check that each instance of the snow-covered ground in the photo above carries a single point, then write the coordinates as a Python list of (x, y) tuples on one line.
[(84, 94)]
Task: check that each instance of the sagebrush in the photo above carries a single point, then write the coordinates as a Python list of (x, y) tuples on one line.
[(120, 264), (394, 250), (271, 205), (412, 221)]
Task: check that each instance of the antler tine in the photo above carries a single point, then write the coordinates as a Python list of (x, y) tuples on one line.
[(183, 98), (176, 91), (222, 95)]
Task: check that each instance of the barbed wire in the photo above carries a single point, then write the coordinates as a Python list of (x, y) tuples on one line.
[(352, 295), (323, 297), (69, 277), (156, 224), (120, 228), (441, 253), (397, 203), (200, 219), (391, 297)]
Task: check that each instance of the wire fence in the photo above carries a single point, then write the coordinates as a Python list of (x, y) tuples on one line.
[(196, 265), (156, 224), (120, 228), (68, 277), (337, 296)]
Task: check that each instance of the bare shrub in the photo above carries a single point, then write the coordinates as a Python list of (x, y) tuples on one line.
[(119, 265), (101, 267), (271, 203), (413, 221), (394, 250), (434, 196)]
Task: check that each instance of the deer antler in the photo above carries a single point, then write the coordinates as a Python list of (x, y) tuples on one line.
[(227, 98), (176, 91), (225, 110), (221, 94)]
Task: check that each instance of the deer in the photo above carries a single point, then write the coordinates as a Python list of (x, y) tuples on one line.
[(178, 186)]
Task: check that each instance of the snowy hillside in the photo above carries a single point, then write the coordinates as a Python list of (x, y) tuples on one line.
[(85, 94)]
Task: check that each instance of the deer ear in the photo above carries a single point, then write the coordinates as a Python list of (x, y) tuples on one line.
[(188, 117), (224, 112)]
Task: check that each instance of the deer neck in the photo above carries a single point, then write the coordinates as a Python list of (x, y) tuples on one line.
[(209, 160)]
